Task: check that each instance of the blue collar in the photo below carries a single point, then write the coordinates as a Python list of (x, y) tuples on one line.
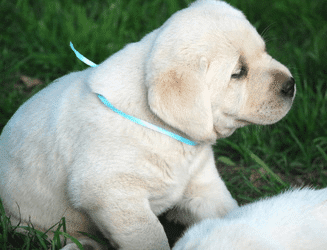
[(129, 117)]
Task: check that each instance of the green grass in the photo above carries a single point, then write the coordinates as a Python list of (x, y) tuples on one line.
[(255, 161), (31, 238)]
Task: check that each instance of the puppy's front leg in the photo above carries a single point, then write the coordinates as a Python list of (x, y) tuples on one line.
[(131, 224), (206, 195)]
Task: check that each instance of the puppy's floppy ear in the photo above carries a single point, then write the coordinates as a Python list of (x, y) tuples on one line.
[(179, 95)]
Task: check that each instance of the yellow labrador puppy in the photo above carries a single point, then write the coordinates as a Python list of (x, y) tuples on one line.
[(72, 151)]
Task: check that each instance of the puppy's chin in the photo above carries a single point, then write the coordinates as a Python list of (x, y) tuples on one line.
[(223, 132), (227, 125)]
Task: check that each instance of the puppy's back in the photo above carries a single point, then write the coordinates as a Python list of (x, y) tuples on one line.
[(295, 219)]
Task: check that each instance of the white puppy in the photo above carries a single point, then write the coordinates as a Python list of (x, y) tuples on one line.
[(201, 75), (296, 219)]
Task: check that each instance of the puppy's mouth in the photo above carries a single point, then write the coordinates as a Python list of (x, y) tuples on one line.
[(243, 122), (237, 123)]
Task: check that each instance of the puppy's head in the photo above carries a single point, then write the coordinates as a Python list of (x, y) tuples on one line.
[(208, 73)]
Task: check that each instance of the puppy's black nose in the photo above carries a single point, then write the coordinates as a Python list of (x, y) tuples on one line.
[(288, 88)]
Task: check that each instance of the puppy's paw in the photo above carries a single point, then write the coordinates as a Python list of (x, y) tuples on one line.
[(87, 244)]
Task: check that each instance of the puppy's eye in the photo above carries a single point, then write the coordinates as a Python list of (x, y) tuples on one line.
[(242, 72)]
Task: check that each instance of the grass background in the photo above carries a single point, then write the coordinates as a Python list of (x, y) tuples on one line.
[(256, 160)]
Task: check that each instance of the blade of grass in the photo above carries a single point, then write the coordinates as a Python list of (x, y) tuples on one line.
[(73, 239), (93, 237), (324, 155), (297, 142), (226, 160), (265, 167)]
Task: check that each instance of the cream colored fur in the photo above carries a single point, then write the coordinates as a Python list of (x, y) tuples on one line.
[(293, 220), (64, 153)]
